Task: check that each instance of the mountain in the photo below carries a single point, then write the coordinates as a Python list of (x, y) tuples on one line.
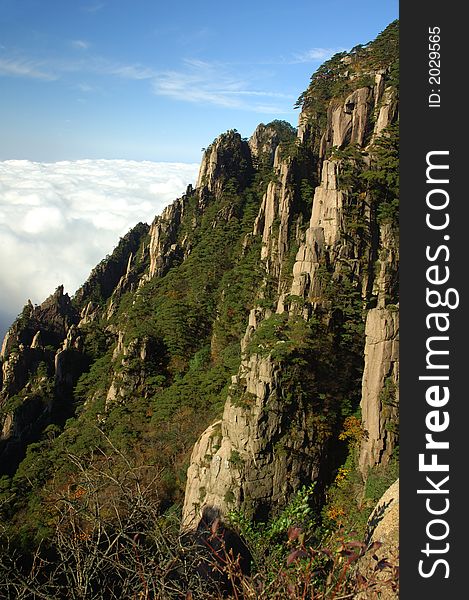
[(241, 353)]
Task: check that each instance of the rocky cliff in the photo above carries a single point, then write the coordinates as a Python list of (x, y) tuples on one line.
[(253, 316), (278, 426)]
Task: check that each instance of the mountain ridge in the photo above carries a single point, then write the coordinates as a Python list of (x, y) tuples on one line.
[(293, 232)]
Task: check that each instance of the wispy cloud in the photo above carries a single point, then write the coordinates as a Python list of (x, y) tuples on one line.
[(136, 72), (313, 55), (256, 93), (85, 88), (80, 44), (92, 8), (211, 83), (52, 69), (18, 67), (196, 81)]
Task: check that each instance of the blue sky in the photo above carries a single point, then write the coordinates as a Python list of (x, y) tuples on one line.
[(148, 82), (158, 80)]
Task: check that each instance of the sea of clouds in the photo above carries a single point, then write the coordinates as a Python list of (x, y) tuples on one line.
[(58, 220)]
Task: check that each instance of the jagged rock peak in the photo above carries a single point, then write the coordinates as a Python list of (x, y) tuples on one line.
[(163, 237), (105, 276), (58, 298), (228, 157), (164, 316), (347, 90), (266, 138), (248, 459), (52, 318), (56, 313)]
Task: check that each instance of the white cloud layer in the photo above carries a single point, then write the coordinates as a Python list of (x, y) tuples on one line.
[(58, 220)]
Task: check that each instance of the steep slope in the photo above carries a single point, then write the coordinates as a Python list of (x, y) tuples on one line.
[(44, 353), (292, 234), (143, 352), (302, 354)]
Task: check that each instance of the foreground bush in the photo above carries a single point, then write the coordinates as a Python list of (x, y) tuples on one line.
[(111, 540)]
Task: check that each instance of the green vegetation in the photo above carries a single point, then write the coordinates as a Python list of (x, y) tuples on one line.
[(284, 130), (105, 276), (152, 364), (346, 72), (383, 176), (179, 349), (295, 555), (236, 459), (143, 552), (351, 500)]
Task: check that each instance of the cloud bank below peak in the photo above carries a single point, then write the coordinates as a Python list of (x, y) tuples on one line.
[(58, 220)]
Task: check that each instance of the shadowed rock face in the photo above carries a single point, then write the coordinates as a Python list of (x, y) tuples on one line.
[(21, 426), (383, 530), (48, 337), (105, 277), (27, 400), (32, 338), (212, 544), (52, 318)]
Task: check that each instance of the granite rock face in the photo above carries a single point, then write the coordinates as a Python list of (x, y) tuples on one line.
[(266, 138), (380, 384), (264, 448), (29, 359), (380, 387), (228, 157), (349, 120), (52, 319), (313, 234), (258, 454), (28, 339), (328, 204), (163, 238), (274, 216), (105, 277), (43, 352)]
